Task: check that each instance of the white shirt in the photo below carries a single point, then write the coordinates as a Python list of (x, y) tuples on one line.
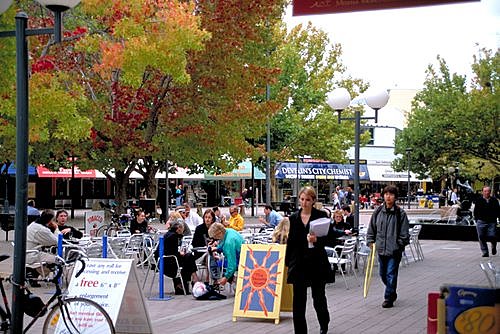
[(193, 220), (38, 235)]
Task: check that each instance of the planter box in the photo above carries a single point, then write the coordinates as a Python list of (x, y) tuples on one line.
[(447, 232)]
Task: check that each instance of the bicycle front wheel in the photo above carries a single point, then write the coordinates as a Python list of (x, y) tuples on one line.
[(78, 315)]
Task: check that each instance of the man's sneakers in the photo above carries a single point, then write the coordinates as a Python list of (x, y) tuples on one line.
[(486, 254), (387, 304)]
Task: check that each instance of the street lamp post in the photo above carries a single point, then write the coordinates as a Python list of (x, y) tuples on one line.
[(22, 139), (268, 153), (408, 155), (339, 99)]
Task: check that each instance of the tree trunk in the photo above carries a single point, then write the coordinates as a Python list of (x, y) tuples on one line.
[(121, 182), (150, 180), (148, 169)]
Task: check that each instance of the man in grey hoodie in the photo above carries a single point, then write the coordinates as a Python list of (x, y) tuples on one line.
[(389, 230)]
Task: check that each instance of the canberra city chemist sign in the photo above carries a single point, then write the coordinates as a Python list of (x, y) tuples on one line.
[(318, 170)]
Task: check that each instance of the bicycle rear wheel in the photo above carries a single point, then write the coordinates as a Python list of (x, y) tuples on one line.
[(78, 315), (112, 231), (102, 231)]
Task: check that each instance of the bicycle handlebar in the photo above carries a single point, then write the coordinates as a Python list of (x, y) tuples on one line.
[(60, 262)]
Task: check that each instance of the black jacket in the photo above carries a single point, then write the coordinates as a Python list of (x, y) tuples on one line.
[(305, 264), (75, 233), (487, 211), (171, 243)]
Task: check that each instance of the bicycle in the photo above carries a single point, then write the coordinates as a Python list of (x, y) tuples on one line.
[(65, 314), (118, 222)]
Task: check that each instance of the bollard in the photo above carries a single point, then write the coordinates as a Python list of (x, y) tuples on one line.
[(160, 266), (104, 246), (161, 292), (60, 245)]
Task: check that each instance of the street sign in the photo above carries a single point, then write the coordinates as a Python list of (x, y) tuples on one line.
[(361, 161), (310, 7)]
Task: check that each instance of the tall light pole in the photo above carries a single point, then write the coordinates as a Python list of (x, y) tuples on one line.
[(339, 99), (408, 156), (22, 139), (268, 154)]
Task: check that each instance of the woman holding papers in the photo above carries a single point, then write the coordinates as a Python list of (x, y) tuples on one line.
[(307, 261)]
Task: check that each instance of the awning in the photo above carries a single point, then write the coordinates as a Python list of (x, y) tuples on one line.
[(244, 171), (320, 171), (181, 173), (386, 173), (12, 169), (65, 173)]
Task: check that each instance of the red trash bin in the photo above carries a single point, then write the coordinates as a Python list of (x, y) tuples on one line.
[(238, 200)]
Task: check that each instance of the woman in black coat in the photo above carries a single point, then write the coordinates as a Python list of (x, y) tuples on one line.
[(307, 267), (171, 242)]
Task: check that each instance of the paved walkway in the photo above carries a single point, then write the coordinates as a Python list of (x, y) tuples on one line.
[(445, 262)]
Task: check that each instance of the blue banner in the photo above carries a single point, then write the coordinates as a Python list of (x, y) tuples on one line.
[(12, 169), (319, 171)]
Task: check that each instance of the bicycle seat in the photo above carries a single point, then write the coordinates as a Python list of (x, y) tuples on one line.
[(4, 257)]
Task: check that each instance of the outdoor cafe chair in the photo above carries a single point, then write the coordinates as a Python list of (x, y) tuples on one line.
[(134, 248), (346, 258), (178, 274), (415, 242)]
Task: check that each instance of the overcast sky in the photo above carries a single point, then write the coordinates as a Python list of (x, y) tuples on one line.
[(392, 48)]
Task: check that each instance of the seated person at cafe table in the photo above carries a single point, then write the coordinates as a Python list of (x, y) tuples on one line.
[(338, 229), (236, 222), (227, 241), (171, 242), (180, 213), (200, 243), (67, 231), (349, 217), (219, 216), (200, 238), (139, 224), (272, 218), (41, 235), (338, 221)]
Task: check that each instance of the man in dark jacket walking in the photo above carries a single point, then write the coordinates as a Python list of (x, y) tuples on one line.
[(389, 230), (486, 212)]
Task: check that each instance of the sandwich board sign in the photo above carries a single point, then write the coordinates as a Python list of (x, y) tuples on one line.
[(260, 281), (113, 284), (93, 221)]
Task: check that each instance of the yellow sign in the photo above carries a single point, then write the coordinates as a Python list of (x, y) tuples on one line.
[(259, 283)]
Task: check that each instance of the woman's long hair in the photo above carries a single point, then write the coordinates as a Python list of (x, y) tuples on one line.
[(280, 234)]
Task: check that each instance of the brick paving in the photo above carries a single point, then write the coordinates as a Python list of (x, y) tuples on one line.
[(445, 262)]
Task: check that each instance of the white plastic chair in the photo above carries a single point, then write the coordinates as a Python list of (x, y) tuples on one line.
[(346, 258)]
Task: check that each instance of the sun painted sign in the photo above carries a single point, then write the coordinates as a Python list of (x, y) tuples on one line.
[(309, 7), (259, 282)]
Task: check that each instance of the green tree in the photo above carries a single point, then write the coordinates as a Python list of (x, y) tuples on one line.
[(55, 116), (450, 124), (212, 116), (309, 67)]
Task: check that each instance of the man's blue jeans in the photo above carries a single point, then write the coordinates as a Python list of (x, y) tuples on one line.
[(388, 270), (486, 231)]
